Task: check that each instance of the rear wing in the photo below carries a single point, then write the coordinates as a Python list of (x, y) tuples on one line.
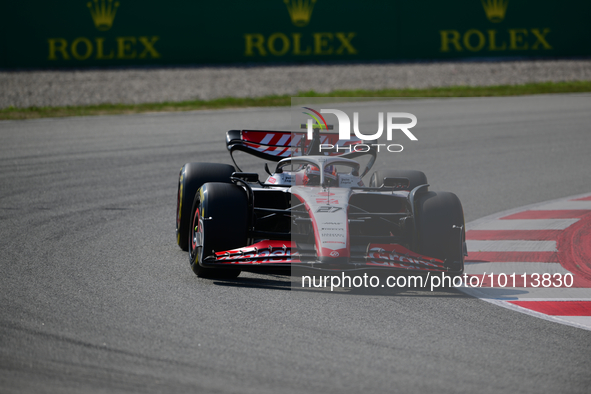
[(275, 145), (268, 145)]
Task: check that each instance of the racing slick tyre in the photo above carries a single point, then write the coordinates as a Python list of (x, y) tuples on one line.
[(440, 228), (220, 222), (191, 178), (415, 177)]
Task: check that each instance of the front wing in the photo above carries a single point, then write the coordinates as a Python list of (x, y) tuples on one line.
[(284, 254)]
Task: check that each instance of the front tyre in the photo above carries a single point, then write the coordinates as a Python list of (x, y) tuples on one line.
[(440, 225), (191, 178), (219, 223)]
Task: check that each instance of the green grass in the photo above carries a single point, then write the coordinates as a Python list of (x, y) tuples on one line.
[(282, 101)]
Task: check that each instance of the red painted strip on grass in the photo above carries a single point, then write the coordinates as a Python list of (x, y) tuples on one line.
[(528, 235), (588, 198), (539, 257), (557, 308), (553, 214)]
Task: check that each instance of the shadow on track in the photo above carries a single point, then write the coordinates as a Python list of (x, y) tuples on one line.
[(287, 283)]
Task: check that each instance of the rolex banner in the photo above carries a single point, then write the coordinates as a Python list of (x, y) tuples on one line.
[(94, 33)]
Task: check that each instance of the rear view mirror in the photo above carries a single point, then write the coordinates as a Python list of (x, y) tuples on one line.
[(246, 176), (397, 183)]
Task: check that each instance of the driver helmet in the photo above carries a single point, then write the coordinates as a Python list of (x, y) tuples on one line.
[(312, 176)]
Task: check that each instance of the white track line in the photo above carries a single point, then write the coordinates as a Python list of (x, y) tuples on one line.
[(584, 321), (531, 207), (510, 246), (501, 296), (565, 205), (518, 268), (526, 294), (525, 224), (566, 320)]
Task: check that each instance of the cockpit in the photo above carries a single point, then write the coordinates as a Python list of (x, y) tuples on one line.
[(317, 171)]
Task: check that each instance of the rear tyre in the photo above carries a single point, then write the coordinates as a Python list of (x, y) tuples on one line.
[(437, 213), (415, 177), (219, 223), (191, 178)]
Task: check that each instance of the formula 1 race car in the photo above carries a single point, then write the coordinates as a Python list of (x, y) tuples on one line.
[(314, 212)]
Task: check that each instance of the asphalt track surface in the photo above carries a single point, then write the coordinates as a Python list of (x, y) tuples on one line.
[(95, 296)]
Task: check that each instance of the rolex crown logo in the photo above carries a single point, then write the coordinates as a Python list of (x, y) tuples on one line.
[(300, 11), (495, 9), (103, 12)]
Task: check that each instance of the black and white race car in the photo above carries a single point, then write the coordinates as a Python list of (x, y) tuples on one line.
[(313, 212)]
